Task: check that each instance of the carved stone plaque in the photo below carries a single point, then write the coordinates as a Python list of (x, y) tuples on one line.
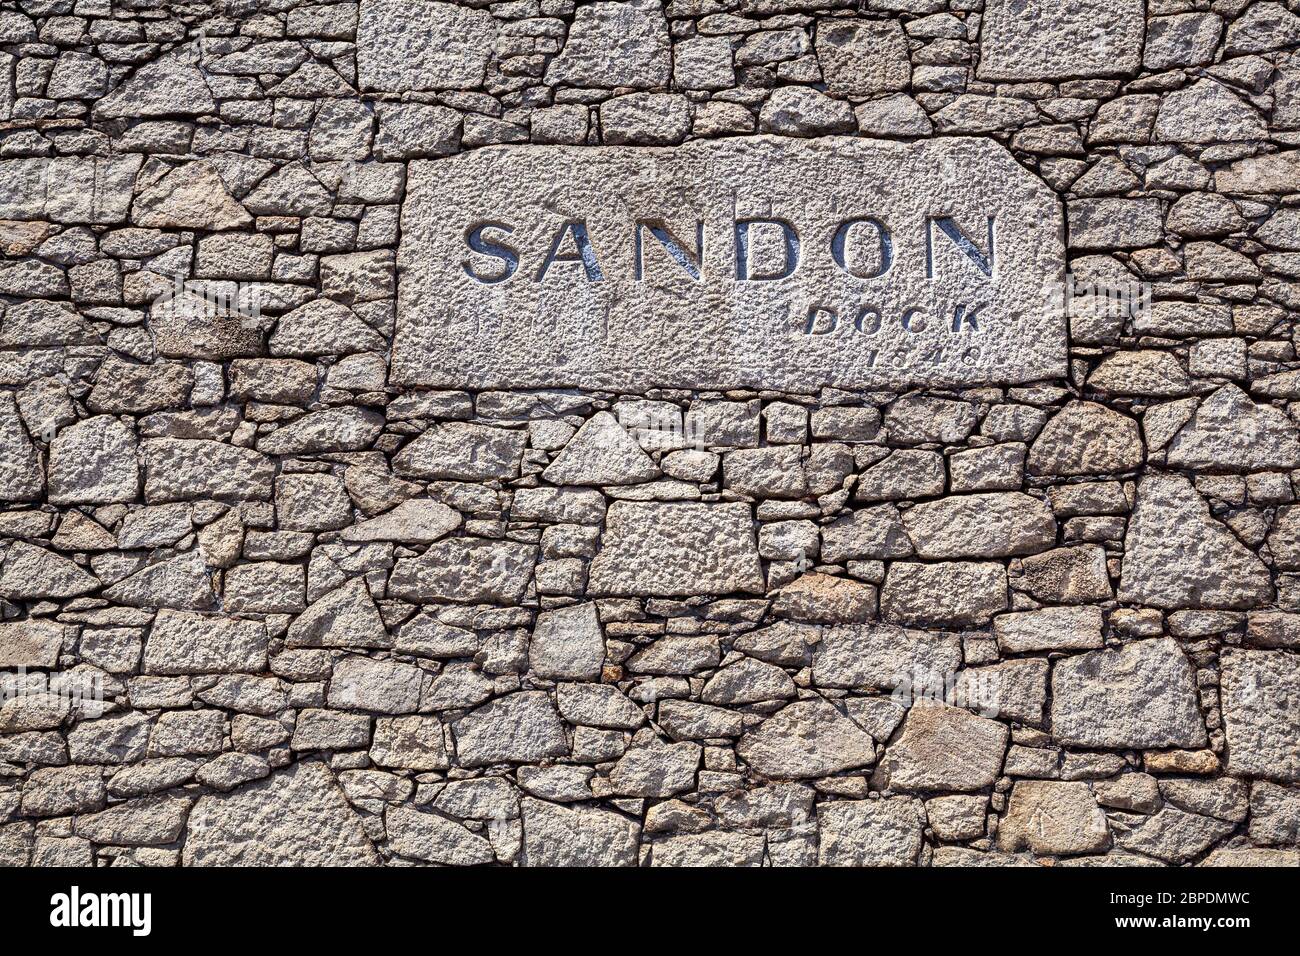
[(750, 262)]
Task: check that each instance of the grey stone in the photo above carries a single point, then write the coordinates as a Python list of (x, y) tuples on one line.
[(296, 817), (870, 832), (945, 594), (432, 46), (1203, 566), (345, 617), (1086, 438), (861, 58), (809, 738), (31, 572), (601, 453), (581, 836), (520, 728), (943, 749), (185, 469), (468, 570), (676, 549), (996, 525), (435, 839), (609, 44), (1261, 713), (567, 643), (68, 189), (880, 657), (1041, 41), (169, 86), (94, 462), (462, 451), (445, 338), (181, 642), (1141, 695), (1053, 818), (21, 476), (414, 521), (1228, 432)]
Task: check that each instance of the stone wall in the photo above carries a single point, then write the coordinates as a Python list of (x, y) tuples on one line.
[(334, 620)]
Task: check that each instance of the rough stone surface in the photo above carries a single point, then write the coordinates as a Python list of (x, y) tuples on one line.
[(1203, 565), (297, 817), (992, 558), (1140, 695), (467, 321), (676, 549)]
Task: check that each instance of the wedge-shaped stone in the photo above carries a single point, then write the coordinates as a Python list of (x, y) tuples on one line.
[(1201, 565), (462, 451), (29, 572), (296, 817), (346, 617), (519, 728), (42, 322), (323, 327), (191, 196), (181, 583), (414, 521), (333, 429), (656, 770), (677, 548), (598, 705), (185, 643), (809, 738), (1230, 433), (1173, 835), (21, 476), (1141, 695), (538, 281), (169, 86), (435, 839), (945, 749), (714, 849), (601, 453), (994, 525), (467, 570)]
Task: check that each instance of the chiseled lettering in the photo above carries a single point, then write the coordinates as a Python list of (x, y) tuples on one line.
[(948, 226), (841, 238), (498, 250), (672, 245), (790, 238), (583, 251)]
